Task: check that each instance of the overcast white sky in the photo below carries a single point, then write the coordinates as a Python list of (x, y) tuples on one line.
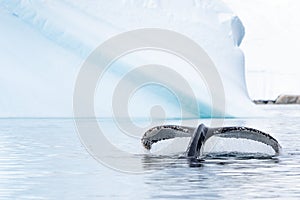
[(271, 45)]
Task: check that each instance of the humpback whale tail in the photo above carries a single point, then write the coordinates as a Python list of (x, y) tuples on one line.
[(202, 133)]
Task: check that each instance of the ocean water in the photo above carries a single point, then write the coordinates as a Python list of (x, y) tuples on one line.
[(44, 159)]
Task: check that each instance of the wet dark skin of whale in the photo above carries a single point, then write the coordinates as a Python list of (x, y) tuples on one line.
[(202, 133)]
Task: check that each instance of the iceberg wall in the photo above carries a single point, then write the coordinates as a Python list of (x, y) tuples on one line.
[(46, 42)]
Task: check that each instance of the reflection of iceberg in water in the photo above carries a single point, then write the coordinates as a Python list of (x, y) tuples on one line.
[(70, 30)]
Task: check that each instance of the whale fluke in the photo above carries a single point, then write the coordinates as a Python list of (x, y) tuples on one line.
[(165, 132), (202, 133)]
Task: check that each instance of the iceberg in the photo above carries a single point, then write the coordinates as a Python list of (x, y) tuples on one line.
[(45, 44)]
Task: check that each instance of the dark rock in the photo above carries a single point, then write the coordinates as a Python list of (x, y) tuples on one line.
[(264, 101), (288, 99)]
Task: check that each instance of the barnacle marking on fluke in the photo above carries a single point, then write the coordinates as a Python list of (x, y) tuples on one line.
[(169, 131)]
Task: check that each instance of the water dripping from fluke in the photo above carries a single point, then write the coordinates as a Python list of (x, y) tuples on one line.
[(240, 143)]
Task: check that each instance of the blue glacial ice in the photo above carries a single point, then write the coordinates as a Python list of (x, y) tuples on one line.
[(44, 44)]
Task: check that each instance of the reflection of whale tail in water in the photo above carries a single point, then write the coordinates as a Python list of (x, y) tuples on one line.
[(202, 133)]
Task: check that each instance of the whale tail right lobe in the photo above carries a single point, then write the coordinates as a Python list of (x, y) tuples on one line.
[(203, 133)]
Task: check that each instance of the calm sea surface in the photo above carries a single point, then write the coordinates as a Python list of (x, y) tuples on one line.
[(44, 159)]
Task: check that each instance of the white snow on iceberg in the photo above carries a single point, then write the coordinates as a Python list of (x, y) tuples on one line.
[(45, 42)]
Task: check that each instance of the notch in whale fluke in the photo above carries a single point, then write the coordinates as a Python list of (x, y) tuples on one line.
[(202, 133)]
